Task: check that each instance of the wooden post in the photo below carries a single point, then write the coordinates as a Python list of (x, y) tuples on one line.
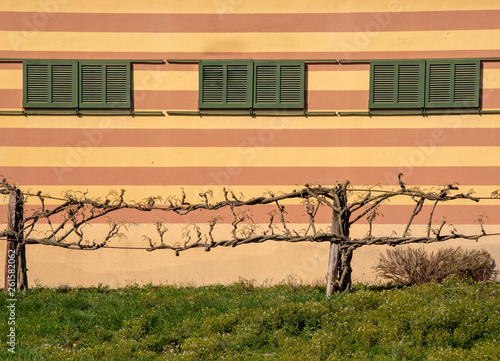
[(15, 260), (11, 265), (333, 264), (338, 278), (22, 271)]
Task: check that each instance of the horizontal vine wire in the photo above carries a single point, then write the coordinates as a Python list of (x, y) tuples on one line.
[(68, 220)]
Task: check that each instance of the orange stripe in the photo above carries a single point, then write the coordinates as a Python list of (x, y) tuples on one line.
[(218, 176), (231, 23), (490, 98), (491, 65), (392, 214), (11, 66), (165, 67), (338, 67), (347, 54), (418, 137), (332, 100), (11, 98), (194, 67), (166, 99), (337, 99), (188, 99)]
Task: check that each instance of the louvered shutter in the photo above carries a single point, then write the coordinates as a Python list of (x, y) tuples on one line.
[(225, 84), (396, 84), (453, 83), (279, 85), (50, 84), (104, 84)]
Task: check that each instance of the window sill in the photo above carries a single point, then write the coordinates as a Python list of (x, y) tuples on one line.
[(253, 113), (81, 113), (422, 112)]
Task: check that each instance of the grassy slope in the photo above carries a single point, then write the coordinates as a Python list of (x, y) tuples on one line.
[(454, 321)]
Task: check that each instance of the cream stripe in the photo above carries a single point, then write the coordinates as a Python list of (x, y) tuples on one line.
[(138, 193), (11, 79), (188, 80), (251, 42), (491, 79), (338, 80), (275, 123), (166, 80), (240, 6), (249, 157)]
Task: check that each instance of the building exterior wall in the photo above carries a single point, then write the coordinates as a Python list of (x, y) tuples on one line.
[(159, 155)]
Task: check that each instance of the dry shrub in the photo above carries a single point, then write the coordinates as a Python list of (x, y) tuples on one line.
[(416, 266)]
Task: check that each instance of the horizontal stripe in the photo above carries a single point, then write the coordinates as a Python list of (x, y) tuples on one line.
[(466, 121), (331, 79), (11, 66), (179, 176), (11, 79), (338, 80), (230, 23), (87, 156), (331, 100), (337, 100), (188, 80), (346, 54), (295, 214), (251, 42), (243, 7), (188, 100), (166, 99), (141, 192), (490, 98), (166, 80), (354, 67), (11, 98), (488, 65), (326, 100), (278, 137)]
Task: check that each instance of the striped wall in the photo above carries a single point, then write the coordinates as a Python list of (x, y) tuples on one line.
[(159, 155)]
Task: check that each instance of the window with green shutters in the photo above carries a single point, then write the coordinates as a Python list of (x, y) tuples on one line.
[(397, 84), (72, 84), (50, 84), (417, 84), (104, 85), (452, 83), (225, 84), (278, 85), (246, 84)]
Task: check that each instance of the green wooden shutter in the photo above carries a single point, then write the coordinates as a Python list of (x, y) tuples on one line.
[(50, 84), (396, 84), (104, 84), (453, 83), (279, 85), (225, 84)]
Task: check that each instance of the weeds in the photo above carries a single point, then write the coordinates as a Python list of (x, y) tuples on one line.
[(416, 266)]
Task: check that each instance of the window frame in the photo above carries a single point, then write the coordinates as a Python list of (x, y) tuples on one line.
[(224, 104), (425, 85), (49, 86), (279, 104), (76, 85), (251, 86), (395, 104), (104, 104), (453, 103)]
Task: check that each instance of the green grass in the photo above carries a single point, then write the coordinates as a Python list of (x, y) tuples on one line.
[(452, 321)]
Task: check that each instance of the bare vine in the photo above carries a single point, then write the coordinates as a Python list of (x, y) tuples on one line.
[(68, 221)]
